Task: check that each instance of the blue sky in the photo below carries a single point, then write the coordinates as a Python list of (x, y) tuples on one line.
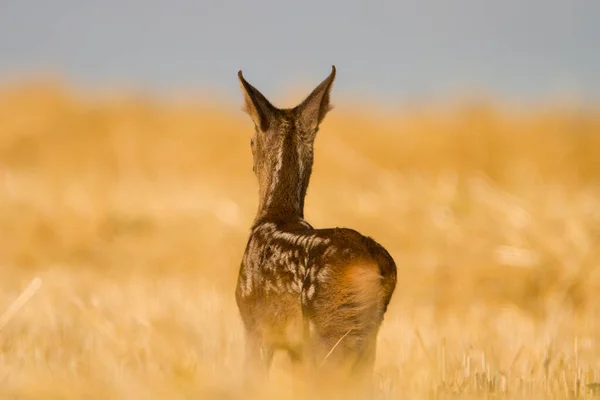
[(394, 50)]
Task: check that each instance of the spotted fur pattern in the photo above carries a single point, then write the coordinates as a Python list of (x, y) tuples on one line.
[(304, 290)]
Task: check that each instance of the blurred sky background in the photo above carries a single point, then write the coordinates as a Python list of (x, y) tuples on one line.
[(518, 50)]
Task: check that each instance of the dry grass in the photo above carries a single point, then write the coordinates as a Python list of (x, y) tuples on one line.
[(134, 215)]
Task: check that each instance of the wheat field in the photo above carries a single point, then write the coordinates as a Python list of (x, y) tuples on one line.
[(124, 218)]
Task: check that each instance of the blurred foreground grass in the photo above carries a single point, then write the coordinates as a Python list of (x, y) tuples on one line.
[(134, 213)]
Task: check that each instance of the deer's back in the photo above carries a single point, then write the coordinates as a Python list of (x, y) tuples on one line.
[(289, 270)]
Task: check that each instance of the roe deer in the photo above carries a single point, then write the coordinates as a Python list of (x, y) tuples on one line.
[(319, 294)]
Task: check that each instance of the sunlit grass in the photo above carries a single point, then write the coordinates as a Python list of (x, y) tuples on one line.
[(134, 215)]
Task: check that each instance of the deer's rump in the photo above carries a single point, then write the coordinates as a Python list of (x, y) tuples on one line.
[(345, 296), (310, 291)]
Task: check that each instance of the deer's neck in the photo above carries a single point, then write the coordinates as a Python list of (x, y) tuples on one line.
[(282, 197)]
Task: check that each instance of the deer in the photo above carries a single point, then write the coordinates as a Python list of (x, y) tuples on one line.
[(318, 294)]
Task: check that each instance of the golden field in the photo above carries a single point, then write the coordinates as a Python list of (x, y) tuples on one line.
[(132, 214)]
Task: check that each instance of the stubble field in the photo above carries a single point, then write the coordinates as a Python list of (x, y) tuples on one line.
[(130, 217)]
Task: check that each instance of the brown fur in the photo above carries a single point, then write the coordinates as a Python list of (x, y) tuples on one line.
[(319, 294)]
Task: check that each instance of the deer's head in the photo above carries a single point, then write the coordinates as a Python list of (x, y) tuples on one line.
[(282, 144)]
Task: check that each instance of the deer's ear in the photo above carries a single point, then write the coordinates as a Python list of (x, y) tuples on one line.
[(256, 105), (314, 108)]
